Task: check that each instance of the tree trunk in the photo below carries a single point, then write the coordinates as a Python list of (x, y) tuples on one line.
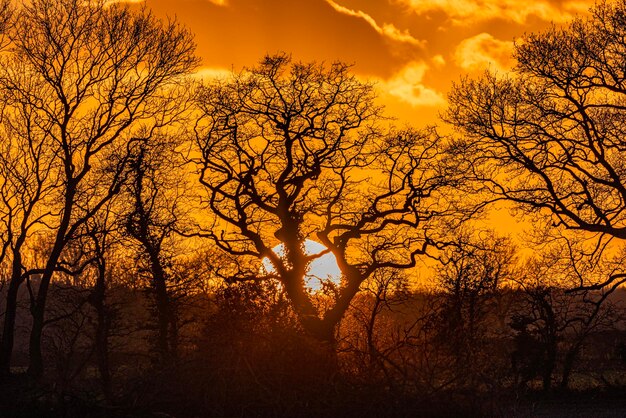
[(98, 301), (550, 339), (550, 363), (568, 364), (163, 308), (371, 348), (173, 332), (8, 331), (38, 309), (35, 366)]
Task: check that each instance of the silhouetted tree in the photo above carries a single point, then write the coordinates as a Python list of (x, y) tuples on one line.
[(6, 13), (79, 80), (553, 323), (293, 151), (550, 136), (365, 332), (157, 199), (471, 276), (27, 185), (100, 234)]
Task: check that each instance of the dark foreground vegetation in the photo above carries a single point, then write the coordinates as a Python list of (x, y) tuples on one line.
[(155, 230), (398, 353)]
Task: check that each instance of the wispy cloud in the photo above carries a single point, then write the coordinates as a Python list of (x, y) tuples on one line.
[(466, 12), (483, 50), (387, 30)]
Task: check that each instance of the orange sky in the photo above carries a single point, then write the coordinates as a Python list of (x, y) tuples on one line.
[(414, 49)]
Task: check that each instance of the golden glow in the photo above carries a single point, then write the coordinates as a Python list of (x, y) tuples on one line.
[(412, 49)]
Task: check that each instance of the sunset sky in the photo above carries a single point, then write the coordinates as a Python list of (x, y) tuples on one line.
[(413, 49)]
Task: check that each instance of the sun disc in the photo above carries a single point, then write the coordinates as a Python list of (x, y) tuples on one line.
[(323, 269)]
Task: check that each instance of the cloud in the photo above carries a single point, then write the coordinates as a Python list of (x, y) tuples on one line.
[(387, 30), (207, 73), (466, 12), (407, 86), (482, 51), (439, 61)]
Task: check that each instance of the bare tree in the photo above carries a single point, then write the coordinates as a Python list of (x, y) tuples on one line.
[(365, 329), (28, 185), (549, 136), (553, 322), (83, 80), (100, 236), (471, 277), (292, 151), (6, 14), (158, 202)]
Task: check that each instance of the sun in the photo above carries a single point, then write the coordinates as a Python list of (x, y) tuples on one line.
[(323, 269)]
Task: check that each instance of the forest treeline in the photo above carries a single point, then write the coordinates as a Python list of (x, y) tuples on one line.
[(140, 207)]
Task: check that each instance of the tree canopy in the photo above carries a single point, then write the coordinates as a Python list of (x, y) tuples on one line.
[(81, 82), (294, 151), (549, 135)]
